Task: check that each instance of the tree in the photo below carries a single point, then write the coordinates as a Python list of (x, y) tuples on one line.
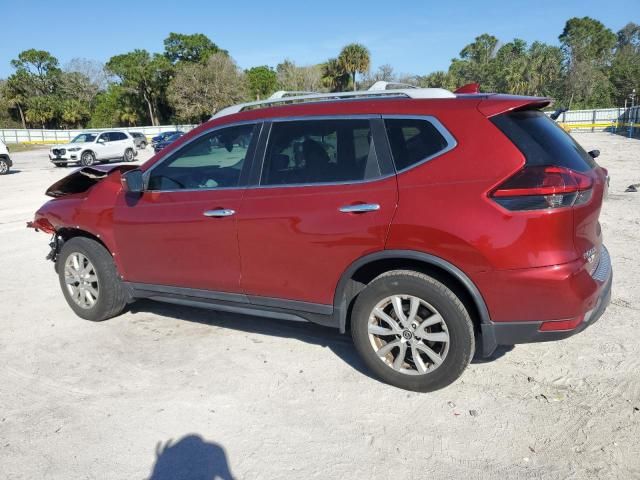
[(625, 67), (73, 112), (294, 78), (40, 110), (477, 63), (588, 47), (354, 58), (197, 91), (334, 77), (194, 48), (16, 93), (261, 81), (93, 70), (144, 74), (39, 69), (384, 73)]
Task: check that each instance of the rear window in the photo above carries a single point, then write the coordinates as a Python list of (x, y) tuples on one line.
[(413, 140), (542, 141)]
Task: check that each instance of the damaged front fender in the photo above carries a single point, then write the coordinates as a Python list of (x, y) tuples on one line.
[(83, 179)]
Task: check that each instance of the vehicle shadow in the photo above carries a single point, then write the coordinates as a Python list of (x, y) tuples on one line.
[(190, 458), (12, 171), (341, 345)]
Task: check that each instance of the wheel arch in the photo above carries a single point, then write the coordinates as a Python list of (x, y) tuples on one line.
[(366, 268), (67, 233)]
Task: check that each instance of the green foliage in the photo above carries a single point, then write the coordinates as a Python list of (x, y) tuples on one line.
[(198, 90), (334, 77), (196, 48), (144, 74), (354, 58), (261, 81)]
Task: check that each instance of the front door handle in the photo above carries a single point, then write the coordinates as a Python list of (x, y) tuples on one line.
[(221, 212), (360, 208)]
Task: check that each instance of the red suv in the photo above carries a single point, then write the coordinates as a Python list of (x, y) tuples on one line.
[(427, 223)]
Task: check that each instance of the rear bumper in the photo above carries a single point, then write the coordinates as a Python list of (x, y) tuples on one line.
[(512, 333)]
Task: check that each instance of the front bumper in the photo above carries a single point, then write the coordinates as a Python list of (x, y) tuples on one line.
[(64, 157), (512, 333)]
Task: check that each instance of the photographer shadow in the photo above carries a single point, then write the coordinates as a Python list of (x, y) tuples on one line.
[(190, 458)]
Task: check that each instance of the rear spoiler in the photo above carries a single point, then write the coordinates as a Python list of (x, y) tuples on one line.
[(83, 179), (496, 104)]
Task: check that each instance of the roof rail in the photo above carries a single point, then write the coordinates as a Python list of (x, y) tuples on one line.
[(281, 98), (382, 85)]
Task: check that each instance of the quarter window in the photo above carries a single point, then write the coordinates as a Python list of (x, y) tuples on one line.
[(320, 151), (413, 140), (215, 160)]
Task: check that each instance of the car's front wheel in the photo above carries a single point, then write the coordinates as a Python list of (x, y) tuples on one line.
[(412, 331), (89, 280), (87, 159), (4, 166)]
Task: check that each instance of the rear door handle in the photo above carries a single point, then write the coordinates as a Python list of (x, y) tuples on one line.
[(360, 208), (221, 212)]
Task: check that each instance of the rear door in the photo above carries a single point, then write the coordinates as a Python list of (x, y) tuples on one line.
[(323, 196)]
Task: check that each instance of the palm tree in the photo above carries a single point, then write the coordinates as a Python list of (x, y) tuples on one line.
[(333, 76), (129, 115), (354, 58)]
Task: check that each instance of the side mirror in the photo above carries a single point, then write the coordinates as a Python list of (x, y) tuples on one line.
[(594, 153), (133, 181)]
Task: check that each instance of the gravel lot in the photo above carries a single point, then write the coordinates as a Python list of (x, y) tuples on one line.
[(249, 397)]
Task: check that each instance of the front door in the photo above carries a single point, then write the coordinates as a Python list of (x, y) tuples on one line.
[(182, 231), (323, 201)]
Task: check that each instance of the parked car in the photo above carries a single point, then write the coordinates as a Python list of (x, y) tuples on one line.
[(162, 136), (89, 148), (429, 224), (139, 139), (5, 159), (168, 140)]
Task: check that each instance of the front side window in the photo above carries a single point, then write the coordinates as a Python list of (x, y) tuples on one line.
[(413, 140), (320, 151), (214, 160), (104, 137), (84, 138)]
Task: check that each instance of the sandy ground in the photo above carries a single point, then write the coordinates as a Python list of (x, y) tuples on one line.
[(261, 399)]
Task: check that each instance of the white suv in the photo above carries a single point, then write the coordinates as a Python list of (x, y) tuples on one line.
[(89, 148), (5, 160)]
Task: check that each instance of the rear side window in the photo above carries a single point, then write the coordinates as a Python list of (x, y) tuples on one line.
[(413, 140), (320, 151), (116, 136), (542, 141)]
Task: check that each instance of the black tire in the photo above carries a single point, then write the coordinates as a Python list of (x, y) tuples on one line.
[(4, 166), (87, 159), (112, 297), (461, 342), (143, 145), (129, 155)]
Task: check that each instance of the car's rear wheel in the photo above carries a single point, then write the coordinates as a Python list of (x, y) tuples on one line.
[(412, 331), (87, 159), (129, 155), (89, 280), (143, 145), (4, 166)]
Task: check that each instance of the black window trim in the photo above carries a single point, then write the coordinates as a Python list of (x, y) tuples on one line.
[(442, 130), (381, 146), (246, 167)]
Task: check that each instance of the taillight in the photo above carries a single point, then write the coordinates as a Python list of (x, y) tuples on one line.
[(542, 187)]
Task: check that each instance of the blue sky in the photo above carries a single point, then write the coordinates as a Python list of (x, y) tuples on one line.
[(414, 37)]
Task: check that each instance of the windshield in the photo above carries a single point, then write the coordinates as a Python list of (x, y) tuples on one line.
[(84, 137)]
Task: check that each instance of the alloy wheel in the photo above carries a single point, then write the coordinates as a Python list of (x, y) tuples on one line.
[(408, 334), (81, 280)]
